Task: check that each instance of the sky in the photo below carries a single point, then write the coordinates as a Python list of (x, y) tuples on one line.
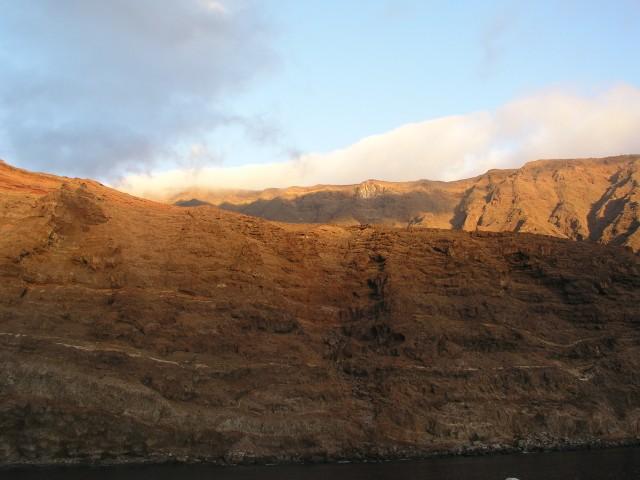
[(154, 96)]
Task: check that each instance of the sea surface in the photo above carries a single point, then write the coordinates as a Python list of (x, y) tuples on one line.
[(618, 464)]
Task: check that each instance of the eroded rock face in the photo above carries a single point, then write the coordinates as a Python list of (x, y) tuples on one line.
[(134, 330), (584, 199), (369, 189)]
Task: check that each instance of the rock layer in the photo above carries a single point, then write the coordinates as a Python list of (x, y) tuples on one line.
[(587, 199), (132, 330)]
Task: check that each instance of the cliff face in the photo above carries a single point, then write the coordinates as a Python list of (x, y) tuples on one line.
[(594, 199), (581, 199), (134, 330)]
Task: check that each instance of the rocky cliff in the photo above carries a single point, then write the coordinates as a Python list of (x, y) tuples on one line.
[(132, 330), (585, 199)]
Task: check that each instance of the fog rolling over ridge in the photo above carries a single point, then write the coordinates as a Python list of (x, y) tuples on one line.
[(554, 123), (581, 199)]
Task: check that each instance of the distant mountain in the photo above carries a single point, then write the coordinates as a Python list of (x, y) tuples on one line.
[(583, 199), (194, 202), (136, 331)]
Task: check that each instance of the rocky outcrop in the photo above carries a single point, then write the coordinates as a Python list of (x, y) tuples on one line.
[(132, 330), (588, 199), (369, 189)]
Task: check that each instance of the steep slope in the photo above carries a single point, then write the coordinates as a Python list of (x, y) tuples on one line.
[(577, 199), (594, 199), (134, 330)]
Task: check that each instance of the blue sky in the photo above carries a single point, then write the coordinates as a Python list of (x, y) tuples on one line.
[(160, 87), (350, 69)]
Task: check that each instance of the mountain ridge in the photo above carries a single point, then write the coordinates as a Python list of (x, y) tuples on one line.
[(581, 199)]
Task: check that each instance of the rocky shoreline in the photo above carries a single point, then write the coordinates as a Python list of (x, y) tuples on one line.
[(399, 455)]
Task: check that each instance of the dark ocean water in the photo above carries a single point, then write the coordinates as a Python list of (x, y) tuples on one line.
[(618, 464)]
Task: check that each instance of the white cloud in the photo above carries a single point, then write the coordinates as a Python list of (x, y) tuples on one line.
[(215, 6), (97, 87), (552, 124)]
